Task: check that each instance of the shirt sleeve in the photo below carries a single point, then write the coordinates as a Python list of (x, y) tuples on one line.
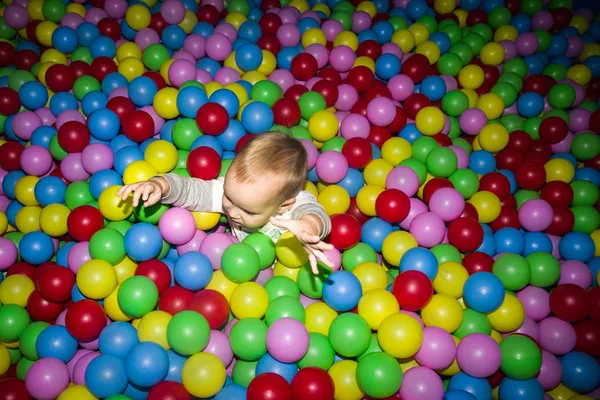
[(194, 194), (306, 203)]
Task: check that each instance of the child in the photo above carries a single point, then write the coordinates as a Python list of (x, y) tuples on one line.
[(261, 191)]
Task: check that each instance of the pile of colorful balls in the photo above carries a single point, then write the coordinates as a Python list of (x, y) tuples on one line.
[(453, 143)]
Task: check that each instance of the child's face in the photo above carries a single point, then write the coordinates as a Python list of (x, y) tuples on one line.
[(250, 205)]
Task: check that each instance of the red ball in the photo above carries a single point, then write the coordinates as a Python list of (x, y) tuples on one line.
[(562, 18), (203, 162), (40, 309), (593, 300), (286, 112), (508, 218), (592, 91), (9, 101), (510, 159), (360, 107), (26, 59), (531, 176), (563, 221), (157, 271), (557, 193), (121, 106), (345, 231), (80, 68), (175, 299), (22, 268), (553, 130), (520, 140), (7, 54), (414, 103), (568, 302), (168, 390), (442, 140), (157, 78), (358, 152), (477, 17), (378, 135), (392, 206), (593, 163), (415, 67), (328, 90), (295, 91), (356, 213), (433, 185), (541, 84), (85, 320), (399, 121), (377, 89), (471, 212), (213, 306), (55, 284), (269, 43), (84, 221), (242, 142), (304, 66), (369, 48), (10, 155), (536, 157), (13, 389), (138, 126), (588, 337), (208, 13), (269, 386), (59, 78), (158, 23), (30, 30), (268, 4), (466, 234), (103, 66), (73, 136), (497, 183), (110, 27), (542, 147), (361, 78), (270, 23), (212, 119), (490, 77), (330, 75), (312, 383), (413, 290), (478, 261)]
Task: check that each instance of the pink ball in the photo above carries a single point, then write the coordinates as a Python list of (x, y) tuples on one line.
[(213, 247), (428, 229), (203, 76), (287, 340), (181, 71), (196, 45), (542, 20), (95, 157), (36, 160), (24, 123), (8, 253), (69, 115), (335, 257), (392, 48), (381, 111), (342, 58), (575, 46), (401, 86), (177, 226), (218, 47), (72, 169), (184, 55), (355, 125), (227, 75), (557, 336), (529, 328), (461, 155), (361, 20), (535, 215), (288, 35), (419, 383), (575, 272), (16, 16), (78, 255), (550, 373), (404, 179), (218, 344), (347, 97), (46, 115), (115, 8), (228, 30), (78, 355), (319, 52), (47, 378), (145, 37), (447, 203), (438, 349), (536, 302), (193, 244), (283, 78), (311, 151), (81, 366), (331, 28), (478, 355), (332, 166), (472, 121), (527, 44), (417, 207), (172, 11)]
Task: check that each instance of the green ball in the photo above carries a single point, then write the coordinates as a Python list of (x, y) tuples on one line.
[(521, 196), (120, 226), (320, 354), (188, 332), (422, 147), (513, 270), (464, 52), (452, 30), (137, 296), (311, 285), (266, 91), (373, 347), (454, 103), (350, 335), (514, 79), (398, 23), (248, 339), (516, 66), (81, 54), (556, 71), (185, 131), (225, 164), (6, 32), (55, 149), (588, 105), (473, 322), (23, 366), (454, 128), (336, 143), (19, 78), (441, 162), (182, 156), (507, 92), (587, 219), (554, 4), (118, 397), (521, 357), (15, 237), (154, 56), (531, 7), (108, 245), (243, 372), (475, 42), (13, 319), (77, 194), (499, 16), (150, 214), (279, 286), (465, 181), (300, 132), (379, 375), (429, 22), (182, 172), (344, 17), (512, 122), (285, 307), (240, 262), (281, 129), (561, 96), (558, 113), (240, 6), (462, 143), (545, 269), (585, 146), (264, 247), (29, 337), (545, 39), (192, 83), (416, 165), (361, 253), (310, 103), (585, 193), (484, 30), (445, 253), (85, 84), (54, 10)]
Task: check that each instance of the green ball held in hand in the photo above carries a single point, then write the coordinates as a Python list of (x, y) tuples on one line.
[(13, 320), (379, 375), (545, 269), (188, 332), (311, 285), (240, 262), (521, 357), (285, 307), (350, 335), (137, 296), (513, 270), (108, 245), (264, 247), (248, 339)]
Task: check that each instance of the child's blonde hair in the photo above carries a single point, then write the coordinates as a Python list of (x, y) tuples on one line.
[(273, 153)]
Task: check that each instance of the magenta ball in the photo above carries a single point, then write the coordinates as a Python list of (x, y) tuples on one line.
[(24, 123), (227, 75), (527, 44), (172, 12), (478, 355), (145, 37), (78, 255), (289, 35), (361, 20), (227, 30), (181, 71), (335, 257), (16, 16), (447, 203), (311, 151), (47, 378), (575, 46), (332, 166), (438, 349), (331, 28), (283, 78), (8, 253), (115, 8), (81, 366), (342, 58), (213, 247), (95, 157), (472, 121), (536, 302), (195, 44), (177, 226), (417, 207), (218, 344), (529, 328), (218, 46), (420, 383), (428, 229), (557, 336), (70, 115), (319, 52), (461, 155), (287, 340), (542, 20), (78, 355), (72, 169), (575, 272), (535, 215), (401, 86), (193, 244), (347, 97), (550, 373), (355, 125), (404, 179), (36, 160), (381, 111)]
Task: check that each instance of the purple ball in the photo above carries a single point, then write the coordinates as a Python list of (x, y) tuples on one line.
[(461, 155), (420, 383), (401, 86), (193, 244), (404, 179), (218, 344), (24, 123), (342, 58), (536, 302), (36, 160), (227, 75), (311, 151), (335, 257), (347, 97), (288, 35), (564, 145), (472, 121), (287, 340), (542, 20), (575, 272), (72, 169), (381, 111), (8, 253), (69, 115), (289, 15), (213, 247), (550, 373), (557, 336), (361, 20), (218, 4), (392, 48), (355, 125), (145, 37), (283, 78), (78, 255), (184, 55), (47, 378), (95, 15), (478, 355), (46, 115), (72, 20), (73, 361), (177, 226), (195, 44), (447, 203), (16, 16), (331, 28), (579, 120), (527, 44), (203, 76), (428, 229), (81, 366), (575, 46), (95, 157), (438, 349), (332, 166), (529, 328), (218, 46), (417, 207), (228, 30), (181, 71), (536, 215), (158, 120), (319, 52), (115, 8), (172, 11)]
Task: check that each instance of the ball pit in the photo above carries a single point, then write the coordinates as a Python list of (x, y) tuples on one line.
[(454, 144)]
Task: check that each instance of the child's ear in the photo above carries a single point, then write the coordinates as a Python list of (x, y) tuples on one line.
[(286, 205)]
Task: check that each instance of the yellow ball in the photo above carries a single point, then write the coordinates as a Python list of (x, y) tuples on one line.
[(164, 70), (42, 74), (471, 76), (497, 336), (346, 38), (450, 279), (15, 289), (400, 335), (112, 308), (309, 187), (580, 23), (492, 53), (559, 169), (249, 300), (267, 65), (472, 96), (462, 17), (420, 32), (131, 68), (430, 121), (580, 73), (162, 155), (281, 270), (594, 235), (76, 9), (5, 359), (444, 312), (364, 61), (444, 6), (487, 205), (319, 317), (491, 104), (395, 245), (153, 328), (221, 284), (371, 276), (189, 21), (405, 39), (366, 198), (589, 50), (376, 305), (203, 375), (323, 8), (343, 374), (128, 49), (3, 223), (96, 279), (138, 17), (493, 137), (506, 32), (453, 369), (206, 220), (395, 150), (113, 207), (300, 5), (76, 392), (561, 392), (24, 190), (239, 90), (236, 19), (165, 103), (323, 125), (313, 36), (53, 219), (368, 7), (376, 172), (138, 171), (290, 251), (430, 50), (125, 269), (335, 199), (254, 77), (54, 56), (28, 219), (230, 62), (509, 316), (34, 8), (44, 31)]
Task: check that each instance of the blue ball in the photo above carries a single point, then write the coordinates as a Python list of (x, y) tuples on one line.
[(342, 291), (173, 37), (537, 242), (458, 395), (587, 174), (146, 364), (120, 141), (470, 5), (558, 46), (250, 30), (257, 117), (511, 179), (175, 366), (231, 136), (232, 392), (384, 31), (36, 247), (208, 141), (144, 145), (376, 151), (420, 259), (417, 9), (594, 266), (127, 32), (103, 124), (577, 246), (9, 182), (113, 81), (33, 95), (367, 34), (76, 294), (193, 270), (433, 87), (521, 22), (50, 190), (86, 33), (306, 23), (11, 212), (387, 66), (63, 253), (268, 364), (135, 392), (516, 389), (203, 29), (126, 156), (488, 245), (482, 162), (237, 43), (103, 46), (105, 376), (117, 339), (63, 101), (535, 63), (483, 292), (374, 232), (352, 182), (478, 387), (141, 91), (166, 132), (530, 104), (93, 101), (143, 241), (55, 342), (509, 240), (103, 179), (41, 136), (580, 372), (248, 57), (189, 100), (410, 133), (285, 57), (227, 99), (209, 65), (311, 175), (442, 40)]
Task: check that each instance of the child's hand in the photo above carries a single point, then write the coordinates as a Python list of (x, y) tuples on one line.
[(149, 191), (305, 232)]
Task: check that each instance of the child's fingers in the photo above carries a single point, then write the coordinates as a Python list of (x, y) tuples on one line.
[(323, 258), (136, 197), (153, 199), (313, 263), (146, 192), (309, 238), (127, 190)]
